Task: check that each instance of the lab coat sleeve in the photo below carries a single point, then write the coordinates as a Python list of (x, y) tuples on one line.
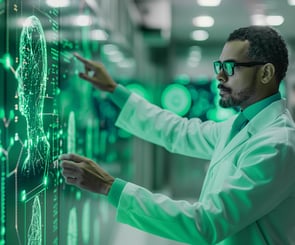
[(178, 135), (261, 179)]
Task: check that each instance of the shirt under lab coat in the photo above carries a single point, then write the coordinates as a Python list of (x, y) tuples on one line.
[(248, 195)]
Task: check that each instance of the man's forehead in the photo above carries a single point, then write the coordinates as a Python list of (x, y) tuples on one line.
[(235, 50)]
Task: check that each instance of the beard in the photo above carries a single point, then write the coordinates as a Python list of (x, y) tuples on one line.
[(235, 99), (229, 102)]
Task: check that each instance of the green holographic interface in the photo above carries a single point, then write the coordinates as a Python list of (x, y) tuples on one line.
[(30, 131), (46, 110), (31, 75)]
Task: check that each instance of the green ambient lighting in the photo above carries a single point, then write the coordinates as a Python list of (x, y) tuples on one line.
[(219, 114), (72, 231), (6, 60), (282, 88), (3, 231), (23, 195), (177, 99), (2, 113), (45, 180), (140, 90), (86, 222), (78, 195), (71, 132), (182, 79)]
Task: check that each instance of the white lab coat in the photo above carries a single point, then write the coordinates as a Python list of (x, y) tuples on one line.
[(248, 196)]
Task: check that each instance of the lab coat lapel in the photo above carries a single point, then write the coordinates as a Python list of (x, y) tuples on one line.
[(257, 124), (232, 145)]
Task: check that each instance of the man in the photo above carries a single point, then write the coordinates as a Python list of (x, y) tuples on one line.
[(248, 195)]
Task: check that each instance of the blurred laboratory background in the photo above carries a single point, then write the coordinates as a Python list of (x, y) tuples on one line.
[(160, 49)]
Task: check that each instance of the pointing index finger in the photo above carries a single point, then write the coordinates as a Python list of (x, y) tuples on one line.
[(85, 61), (88, 63)]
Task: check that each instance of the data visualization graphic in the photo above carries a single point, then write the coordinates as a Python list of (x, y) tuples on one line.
[(32, 76), (30, 127), (46, 110), (35, 229)]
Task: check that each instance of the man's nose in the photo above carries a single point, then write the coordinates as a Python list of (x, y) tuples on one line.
[(221, 76)]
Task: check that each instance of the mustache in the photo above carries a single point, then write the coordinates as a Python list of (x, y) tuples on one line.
[(222, 87)]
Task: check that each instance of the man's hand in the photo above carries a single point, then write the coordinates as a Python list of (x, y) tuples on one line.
[(96, 74), (86, 174)]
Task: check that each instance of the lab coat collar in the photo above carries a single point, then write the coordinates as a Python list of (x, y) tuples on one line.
[(266, 116), (258, 123)]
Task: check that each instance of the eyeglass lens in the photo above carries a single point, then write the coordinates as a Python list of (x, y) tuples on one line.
[(226, 66)]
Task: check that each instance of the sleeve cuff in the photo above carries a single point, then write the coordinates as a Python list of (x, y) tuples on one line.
[(120, 95), (116, 191)]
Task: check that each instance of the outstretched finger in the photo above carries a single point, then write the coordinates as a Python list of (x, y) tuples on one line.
[(73, 157), (83, 60), (89, 65)]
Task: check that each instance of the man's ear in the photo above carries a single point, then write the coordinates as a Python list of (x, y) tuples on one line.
[(267, 73)]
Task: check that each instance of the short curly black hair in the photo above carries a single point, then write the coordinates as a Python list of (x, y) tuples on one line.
[(266, 45)]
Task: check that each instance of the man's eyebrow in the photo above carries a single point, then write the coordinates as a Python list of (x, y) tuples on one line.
[(229, 60)]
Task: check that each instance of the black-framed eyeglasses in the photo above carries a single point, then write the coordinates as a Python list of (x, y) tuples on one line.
[(229, 65)]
